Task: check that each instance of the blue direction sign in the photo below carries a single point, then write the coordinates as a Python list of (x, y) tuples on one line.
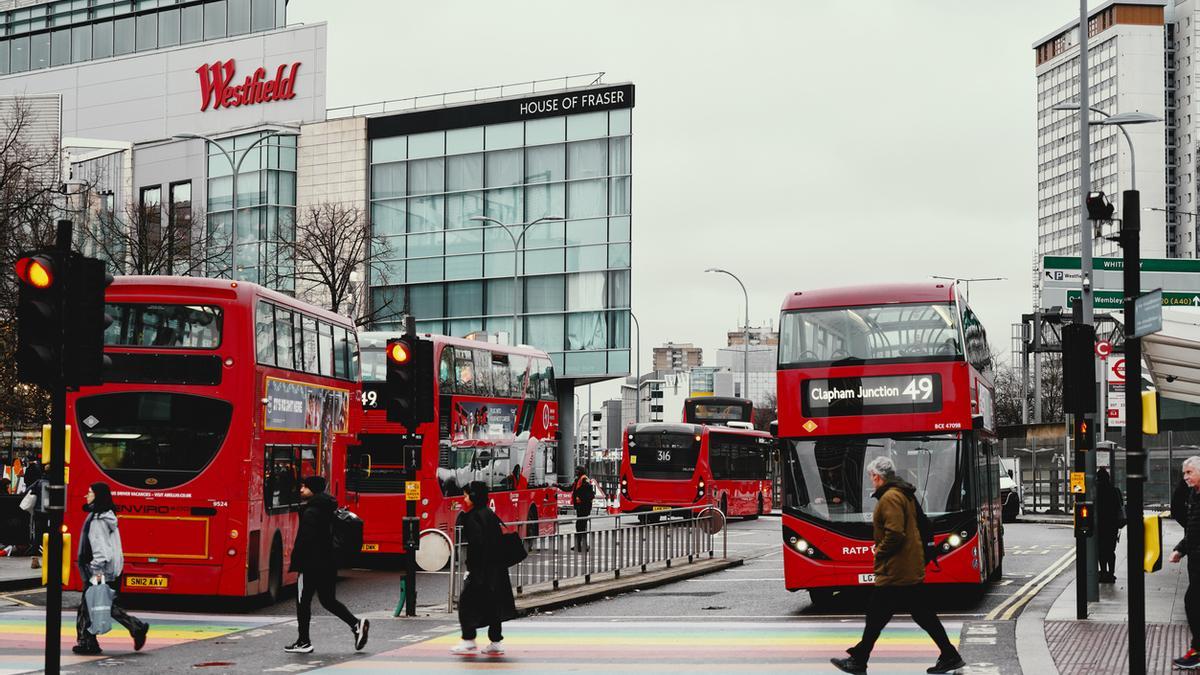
[(1147, 313)]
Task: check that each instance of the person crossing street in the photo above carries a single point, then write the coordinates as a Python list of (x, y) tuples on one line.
[(582, 495)]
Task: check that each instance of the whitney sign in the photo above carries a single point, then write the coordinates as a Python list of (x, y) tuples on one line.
[(217, 87)]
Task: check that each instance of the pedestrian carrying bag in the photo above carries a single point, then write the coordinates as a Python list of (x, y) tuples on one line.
[(29, 501), (347, 536), (512, 549), (99, 599)]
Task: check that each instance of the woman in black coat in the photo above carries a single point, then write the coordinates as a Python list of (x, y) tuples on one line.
[(487, 595), (1110, 508)]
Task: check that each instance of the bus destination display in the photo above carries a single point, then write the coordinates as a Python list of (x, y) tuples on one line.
[(888, 394)]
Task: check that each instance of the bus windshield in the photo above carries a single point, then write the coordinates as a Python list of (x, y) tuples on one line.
[(164, 326), (664, 455), (830, 477), (865, 334)]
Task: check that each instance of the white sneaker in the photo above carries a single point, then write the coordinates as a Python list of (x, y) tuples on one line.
[(465, 647), (494, 649)]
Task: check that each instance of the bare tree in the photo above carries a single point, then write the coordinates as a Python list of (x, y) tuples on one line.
[(141, 243), (1008, 392), (766, 413), (333, 241)]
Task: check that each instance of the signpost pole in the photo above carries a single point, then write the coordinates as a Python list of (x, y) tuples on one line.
[(1135, 457)]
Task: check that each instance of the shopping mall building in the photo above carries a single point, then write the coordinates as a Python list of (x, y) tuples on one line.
[(169, 110)]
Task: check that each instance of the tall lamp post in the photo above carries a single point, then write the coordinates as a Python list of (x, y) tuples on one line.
[(967, 282), (1135, 455), (516, 240), (637, 375), (236, 166), (746, 332)]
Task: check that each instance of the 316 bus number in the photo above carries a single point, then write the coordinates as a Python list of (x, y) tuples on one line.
[(664, 455), (919, 388)]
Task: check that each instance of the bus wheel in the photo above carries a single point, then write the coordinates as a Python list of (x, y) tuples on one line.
[(725, 505), (275, 574), (531, 529), (821, 597)]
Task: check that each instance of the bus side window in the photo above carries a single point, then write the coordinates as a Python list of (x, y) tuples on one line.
[(464, 371), (547, 370), (325, 348), (501, 379), (310, 344), (282, 481), (341, 353), (517, 366), (284, 343), (264, 333), (483, 371), (446, 371)]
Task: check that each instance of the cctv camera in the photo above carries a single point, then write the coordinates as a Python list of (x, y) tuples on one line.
[(1087, 283)]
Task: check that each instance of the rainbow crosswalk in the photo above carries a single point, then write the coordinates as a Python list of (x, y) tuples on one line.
[(22, 635), (548, 646)]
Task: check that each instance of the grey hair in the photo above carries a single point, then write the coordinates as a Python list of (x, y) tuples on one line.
[(1193, 461), (885, 468)]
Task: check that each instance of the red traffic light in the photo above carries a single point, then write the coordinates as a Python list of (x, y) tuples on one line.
[(36, 271), (398, 352)]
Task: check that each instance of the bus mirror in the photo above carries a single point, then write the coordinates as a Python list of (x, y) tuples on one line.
[(976, 422)]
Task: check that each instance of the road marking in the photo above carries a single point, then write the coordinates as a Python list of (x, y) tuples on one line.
[(1025, 593)]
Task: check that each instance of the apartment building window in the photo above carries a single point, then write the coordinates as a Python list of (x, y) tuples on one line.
[(181, 217), (150, 215)]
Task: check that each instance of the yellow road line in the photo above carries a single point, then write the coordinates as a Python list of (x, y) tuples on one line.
[(1035, 584)]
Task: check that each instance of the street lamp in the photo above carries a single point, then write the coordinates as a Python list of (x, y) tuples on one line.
[(516, 240), (236, 166), (1119, 121), (637, 374), (967, 282), (746, 332)]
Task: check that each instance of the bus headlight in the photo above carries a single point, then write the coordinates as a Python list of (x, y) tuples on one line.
[(954, 540)]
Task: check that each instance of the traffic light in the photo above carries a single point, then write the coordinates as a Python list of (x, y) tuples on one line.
[(1084, 519), (1079, 431), (1098, 206), (409, 394), (42, 277), (83, 347), (1079, 368)]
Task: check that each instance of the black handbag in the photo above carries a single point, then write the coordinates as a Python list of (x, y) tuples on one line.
[(512, 549)]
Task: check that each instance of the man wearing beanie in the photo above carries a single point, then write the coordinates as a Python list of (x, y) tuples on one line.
[(313, 558)]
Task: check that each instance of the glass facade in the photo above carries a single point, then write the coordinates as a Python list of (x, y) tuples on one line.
[(71, 31), (266, 208), (455, 274)]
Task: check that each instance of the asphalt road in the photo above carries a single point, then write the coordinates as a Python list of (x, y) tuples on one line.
[(736, 620)]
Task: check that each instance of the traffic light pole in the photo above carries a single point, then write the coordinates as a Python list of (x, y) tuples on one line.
[(1135, 456), (57, 492)]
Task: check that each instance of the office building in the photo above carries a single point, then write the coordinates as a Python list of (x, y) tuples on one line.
[(678, 357)]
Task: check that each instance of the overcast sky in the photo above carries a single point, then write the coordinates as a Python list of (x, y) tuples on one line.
[(797, 144)]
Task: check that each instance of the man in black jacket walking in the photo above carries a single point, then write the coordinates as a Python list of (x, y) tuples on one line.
[(1190, 547), (313, 558), (582, 494)]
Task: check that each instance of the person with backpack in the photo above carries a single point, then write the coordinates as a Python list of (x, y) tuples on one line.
[(101, 560), (899, 572), (37, 488), (487, 595), (582, 495), (313, 557), (1110, 507)]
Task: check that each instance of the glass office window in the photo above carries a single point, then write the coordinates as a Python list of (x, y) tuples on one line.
[(426, 300), (4, 63), (504, 136), (499, 296), (123, 36), (425, 269), (214, 20), (587, 330), (426, 214), (388, 180), (239, 17), (545, 294), (39, 51), (584, 258), (191, 24), (503, 168), (81, 43), (504, 204), (545, 332), (498, 264), (545, 200), (464, 241), (587, 198), (585, 362), (461, 207), (263, 15), (427, 176), (548, 130), (587, 125), (618, 122), (464, 298), (464, 266), (618, 195), (19, 58), (591, 231), (618, 255), (545, 164), (465, 172), (546, 234), (544, 261), (430, 144), (168, 28), (460, 141), (102, 40), (389, 149), (388, 218), (388, 272), (618, 156), (60, 47), (425, 245), (147, 32), (618, 229), (587, 159)]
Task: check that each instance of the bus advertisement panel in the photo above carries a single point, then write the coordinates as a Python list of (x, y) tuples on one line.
[(896, 371), (220, 398)]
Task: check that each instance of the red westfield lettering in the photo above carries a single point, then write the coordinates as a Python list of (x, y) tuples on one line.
[(217, 86)]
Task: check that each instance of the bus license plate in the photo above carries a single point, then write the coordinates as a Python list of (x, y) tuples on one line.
[(146, 582), (660, 508), (866, 578), (370, 548)]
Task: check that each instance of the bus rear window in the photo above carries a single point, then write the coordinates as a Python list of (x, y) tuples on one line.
[(663, 455), (152, 440), (164, 326)]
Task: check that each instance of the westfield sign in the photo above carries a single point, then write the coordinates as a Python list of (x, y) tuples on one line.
[(218, 88)]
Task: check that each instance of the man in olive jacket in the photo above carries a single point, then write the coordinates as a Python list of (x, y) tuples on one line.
[(899, 572)]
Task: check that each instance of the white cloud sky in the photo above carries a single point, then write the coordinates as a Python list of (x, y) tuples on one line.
[(797, 144)]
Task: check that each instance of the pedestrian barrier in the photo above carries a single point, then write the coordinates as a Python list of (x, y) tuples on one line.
[(612, 546)]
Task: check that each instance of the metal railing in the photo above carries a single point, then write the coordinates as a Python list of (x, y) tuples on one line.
[(464, 96), (612, 546)]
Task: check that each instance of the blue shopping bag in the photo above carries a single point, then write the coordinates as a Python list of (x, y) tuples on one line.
[(99, 599)]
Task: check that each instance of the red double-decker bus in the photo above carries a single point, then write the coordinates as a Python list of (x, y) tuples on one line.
[(495, 420), (899, 371), (221, 396), (666, 466)]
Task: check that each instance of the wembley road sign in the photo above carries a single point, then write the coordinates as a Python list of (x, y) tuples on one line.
[(1061, 277)]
